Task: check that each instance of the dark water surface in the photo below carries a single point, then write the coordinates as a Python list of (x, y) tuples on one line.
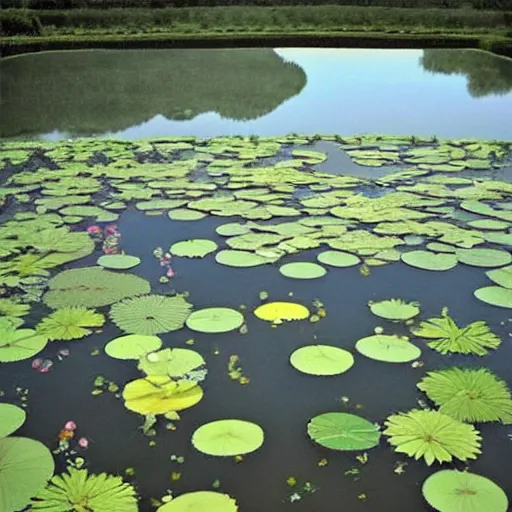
[(278, 398), (146, 93)]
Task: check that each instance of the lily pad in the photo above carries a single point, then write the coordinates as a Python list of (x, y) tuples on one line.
[(277, 312), (429, 261), (450, 490), (495, 296), (338, 259), (227, 438), (490, 224), (302, 270), (19, 344), (205, 501), (118, 261), (501, 276), (197, 248), (394, 309), (233, 229), (388, 348), (241, 259), (343, 431), (484, 257), (184, 214), (215, 320), (11, 419), (132, 346), (322, 360)]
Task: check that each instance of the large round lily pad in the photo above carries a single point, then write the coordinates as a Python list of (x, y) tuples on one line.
[(200, 501), (449, 490), (226, 438), (197, 248), (388, 348), (11, 419), (19, 344), (484, 257), (233, 229), (495, 296), (322, 360), (25, 468), (343, 431), (118, 261), (302, 270), (215, 320), (132, 346), (338, 259), (429, 261)]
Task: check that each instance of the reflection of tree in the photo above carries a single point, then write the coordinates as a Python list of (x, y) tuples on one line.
[(97, 91), (486, 73)]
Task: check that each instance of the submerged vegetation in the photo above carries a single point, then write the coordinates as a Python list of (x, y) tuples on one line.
[(268, 204)]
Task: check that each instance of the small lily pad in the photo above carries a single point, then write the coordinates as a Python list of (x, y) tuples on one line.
[(184, 214), (132, 346), (118, 261), (338, 259), (394, 309), (322, 360), (388, 348), (501, 276), (197, 248), (215, 320), (302, 270), (241, 259)]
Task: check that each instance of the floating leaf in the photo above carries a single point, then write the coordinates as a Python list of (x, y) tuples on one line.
[(160, 204), (338, 259), (92, 287), (28, 458), (215, 320), (132, 346), (321, 360), (302, 270), (388, 348), (172, 362), (19, 344), (150, 314), (475, 338), (495, 296), (501, 276), (11, 419), (394, 309), (184, 214), (429, 261), (468, 394), (9, 307), (69, 323), (118, 261), (241, 259), (159, 395), (450, 490), (77, 490), (277, 312), (226, 438), (201, 501), (197, 248), (484, 257), (433, 436), (343, 431)]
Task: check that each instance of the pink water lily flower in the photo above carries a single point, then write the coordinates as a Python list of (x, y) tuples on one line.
[(110, 230), (36, 363), (170, 272), (83, 442), (70, 425), (93, 230)]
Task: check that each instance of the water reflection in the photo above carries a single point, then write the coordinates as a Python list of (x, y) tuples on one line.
[(486, 74), (89, 92)]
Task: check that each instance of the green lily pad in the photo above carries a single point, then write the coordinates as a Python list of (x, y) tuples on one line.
[(338, 259), (11, 419), (490, 224), (321, 360), (184, 214), (197, 248), (118, 261), (227, 438), (215, 320), (302, 270), (484, 257), (388, 348), (206, 501), (450, 490), (501, 276), (132, 346), (174, 362), (343, 431), (429, 261), (160, 204), (232, 258), (232, 229), (495, 296), (394, 309), (19, 344)]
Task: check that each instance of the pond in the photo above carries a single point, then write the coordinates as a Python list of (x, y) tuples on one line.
[(133, 94), (84, 228)]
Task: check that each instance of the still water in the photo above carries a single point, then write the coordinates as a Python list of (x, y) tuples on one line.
[(131, 94)]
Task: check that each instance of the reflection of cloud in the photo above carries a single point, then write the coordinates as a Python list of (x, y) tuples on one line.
[(486, 74), (105, 91)]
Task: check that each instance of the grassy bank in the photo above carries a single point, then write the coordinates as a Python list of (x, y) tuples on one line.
[(317, 25)]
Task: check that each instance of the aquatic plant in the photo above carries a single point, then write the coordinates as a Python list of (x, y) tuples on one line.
[(132, 346), (467, 394), (321, 360), (78, 491), (277, 312), (394, 309), (432, 435), (197, 248), (476, 338), (18, 344), (151, 314), (215, 320), (200, 500), (69, 323), (388, 348)]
